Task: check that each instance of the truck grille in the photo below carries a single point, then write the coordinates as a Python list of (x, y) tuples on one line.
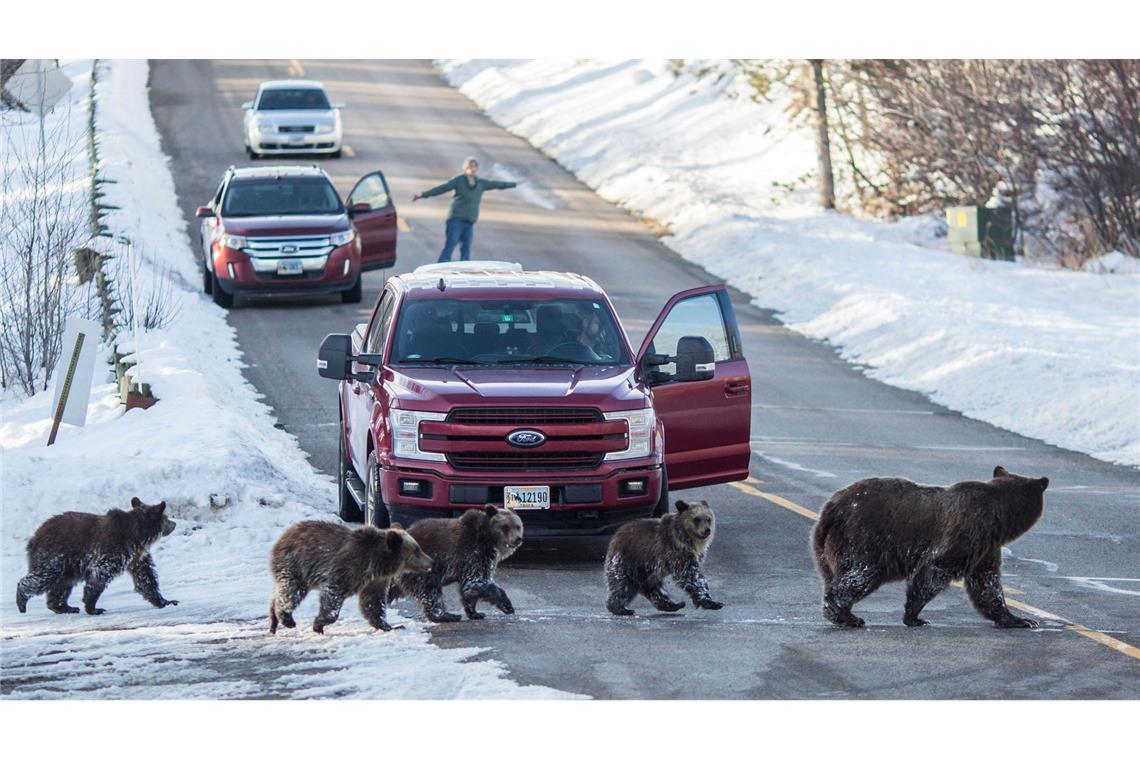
[(525, 460), (522, 415)]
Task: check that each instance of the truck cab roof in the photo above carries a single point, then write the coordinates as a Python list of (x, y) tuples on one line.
[(475, 279)]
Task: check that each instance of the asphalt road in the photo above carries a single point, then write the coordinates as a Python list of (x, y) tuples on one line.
[(817, 423)]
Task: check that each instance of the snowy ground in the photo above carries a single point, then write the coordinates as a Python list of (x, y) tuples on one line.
[(209, 434), (1051, 354)]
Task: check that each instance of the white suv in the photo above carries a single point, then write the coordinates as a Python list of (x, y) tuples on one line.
[(292, 116)]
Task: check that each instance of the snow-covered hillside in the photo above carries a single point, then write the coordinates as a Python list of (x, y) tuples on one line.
[(208, 434), (1052, 354)]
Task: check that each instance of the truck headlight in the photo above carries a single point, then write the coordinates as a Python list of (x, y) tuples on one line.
[(237, 242), (342, 238), (405, 427), (641, 424)]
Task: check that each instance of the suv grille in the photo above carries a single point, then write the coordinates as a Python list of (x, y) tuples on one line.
[(525, 460), (295, 129), (522, 415)]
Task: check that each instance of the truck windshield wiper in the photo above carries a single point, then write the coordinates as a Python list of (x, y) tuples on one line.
[(539, 359), (442, 360)]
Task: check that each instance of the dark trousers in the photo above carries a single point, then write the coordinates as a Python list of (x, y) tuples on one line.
[(461, 232)]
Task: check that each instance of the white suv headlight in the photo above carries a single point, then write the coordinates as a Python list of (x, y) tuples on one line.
[(342, 238), (237, 242), (264, 125), (324, 129), (642, 424), (405, 426)]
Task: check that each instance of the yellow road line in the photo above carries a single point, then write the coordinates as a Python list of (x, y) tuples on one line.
[(348, 151), (402, 224), (1100, 638), (295, 68)]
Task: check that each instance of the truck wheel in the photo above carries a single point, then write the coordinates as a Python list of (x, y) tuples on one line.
[(221, 297), (207, 280), (354, 294), (661, 508), (375, 510), (347, 507)]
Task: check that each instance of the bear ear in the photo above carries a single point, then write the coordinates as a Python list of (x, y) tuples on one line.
[(395, 526), (490, 509), (394, 540), (136, 502), (1043, 482), (160, 507), (681, 506), (1000, 472)]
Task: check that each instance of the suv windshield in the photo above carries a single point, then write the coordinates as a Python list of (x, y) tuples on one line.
[(282, 196), (514, 331), (299, 99)]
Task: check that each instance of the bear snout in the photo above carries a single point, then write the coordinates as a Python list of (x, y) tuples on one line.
[(168, 526)]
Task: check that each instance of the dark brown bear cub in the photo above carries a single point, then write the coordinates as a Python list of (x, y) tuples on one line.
[(340, 562), (643, 552), (467, 551), (890, 529), (77, 546)]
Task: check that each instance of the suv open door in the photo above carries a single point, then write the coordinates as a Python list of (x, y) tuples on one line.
[(693, 361), (374, 217)]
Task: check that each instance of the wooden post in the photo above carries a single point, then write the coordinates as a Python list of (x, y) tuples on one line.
[(58, 416)]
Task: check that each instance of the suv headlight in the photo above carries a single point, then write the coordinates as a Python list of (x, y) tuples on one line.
[(405, 426), (234, 241), (342, 238), (642, 424), (324, 129), (265, 125)]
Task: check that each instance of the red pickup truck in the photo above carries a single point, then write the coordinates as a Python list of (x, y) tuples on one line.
[(477, 382)]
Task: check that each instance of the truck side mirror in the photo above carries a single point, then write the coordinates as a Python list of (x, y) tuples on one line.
[(695, 359), (204, 212), (334, 356)]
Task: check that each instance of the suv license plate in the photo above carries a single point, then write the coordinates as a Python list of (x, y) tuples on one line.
[(289, 267), (526, 497)]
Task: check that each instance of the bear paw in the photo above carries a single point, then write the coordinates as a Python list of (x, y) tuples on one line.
[(709, 604), (476, 615), (914, 622), (620, 610), (1015, 622), (167, 603), (95, 610), (65, 610)]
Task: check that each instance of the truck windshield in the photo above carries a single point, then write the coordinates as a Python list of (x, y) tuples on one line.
[(298, 99), (515, 331), (281, 196)]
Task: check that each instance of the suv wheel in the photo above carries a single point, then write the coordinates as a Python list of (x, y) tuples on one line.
[(375, 510), (661, 508), (347, 507), (207, 280), (221, 297), (354, 294), (335, 153)]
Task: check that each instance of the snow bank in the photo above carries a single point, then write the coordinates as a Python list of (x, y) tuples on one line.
[(209, 434), (1050, 354)]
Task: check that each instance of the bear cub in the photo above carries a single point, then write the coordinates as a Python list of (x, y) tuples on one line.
[(466, 551), (643, 552), (341, 562), (890, 529), (77, 546)]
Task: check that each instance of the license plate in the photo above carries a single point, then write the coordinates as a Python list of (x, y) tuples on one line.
[(289, 267), (526, 497)]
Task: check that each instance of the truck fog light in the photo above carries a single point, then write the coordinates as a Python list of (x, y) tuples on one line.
[(230, 269), (420, 488), (347, 266), (638, 487)]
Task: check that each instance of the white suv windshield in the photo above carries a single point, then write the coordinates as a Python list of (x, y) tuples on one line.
[(508, 331), (299, 99), (284, 196)]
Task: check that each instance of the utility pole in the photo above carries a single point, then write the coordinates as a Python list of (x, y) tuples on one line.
[(822, 141)]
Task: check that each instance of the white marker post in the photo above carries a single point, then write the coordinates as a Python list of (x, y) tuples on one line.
[(73, 374)]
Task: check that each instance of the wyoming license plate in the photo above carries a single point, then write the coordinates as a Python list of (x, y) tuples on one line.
[(526, 497), (289, 267)]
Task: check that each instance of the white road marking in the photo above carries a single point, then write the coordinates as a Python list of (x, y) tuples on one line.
[(794, 466), (1101, 584)]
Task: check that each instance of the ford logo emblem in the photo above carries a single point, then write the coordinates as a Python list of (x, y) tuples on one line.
[(289, 249), (526, 438)]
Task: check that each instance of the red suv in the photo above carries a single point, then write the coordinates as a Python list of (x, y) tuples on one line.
[(284, 230), (477, 382)]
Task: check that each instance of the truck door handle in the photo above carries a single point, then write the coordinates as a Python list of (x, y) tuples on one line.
[(356, 388), (736, 389)]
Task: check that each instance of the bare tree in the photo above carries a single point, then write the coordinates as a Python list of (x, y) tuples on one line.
[(822, 139)]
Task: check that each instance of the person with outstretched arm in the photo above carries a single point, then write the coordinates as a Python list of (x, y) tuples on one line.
[(464, 212)]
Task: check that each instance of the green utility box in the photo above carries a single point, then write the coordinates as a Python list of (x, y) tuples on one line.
[(982, 232)]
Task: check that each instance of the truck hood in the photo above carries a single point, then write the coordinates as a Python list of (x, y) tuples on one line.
[(271, 226), (440, 388)]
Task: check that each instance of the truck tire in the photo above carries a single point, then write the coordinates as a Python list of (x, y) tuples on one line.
[(207, 281), (354, 294), (347, 507), (221, 297), (375, 510), (661, 508)]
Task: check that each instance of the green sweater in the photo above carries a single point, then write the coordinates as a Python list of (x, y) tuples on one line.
[(465, 202)]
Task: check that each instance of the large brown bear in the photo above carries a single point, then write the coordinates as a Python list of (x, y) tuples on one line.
[(77, 546), (466, 551), (890, 529), (644, 552), (340, 562)]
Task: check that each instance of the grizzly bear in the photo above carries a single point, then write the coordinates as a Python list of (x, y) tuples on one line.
[(643, 552), (465, 550), (340, 562), (890, 529), (77, 546)]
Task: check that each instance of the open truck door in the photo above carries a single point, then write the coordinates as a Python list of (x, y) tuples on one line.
[(693, 361)]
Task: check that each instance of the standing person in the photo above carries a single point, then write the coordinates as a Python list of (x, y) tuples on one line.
[(464, 212)]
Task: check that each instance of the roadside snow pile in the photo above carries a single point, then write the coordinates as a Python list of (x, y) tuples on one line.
[(208, 434), (1050, 354)]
